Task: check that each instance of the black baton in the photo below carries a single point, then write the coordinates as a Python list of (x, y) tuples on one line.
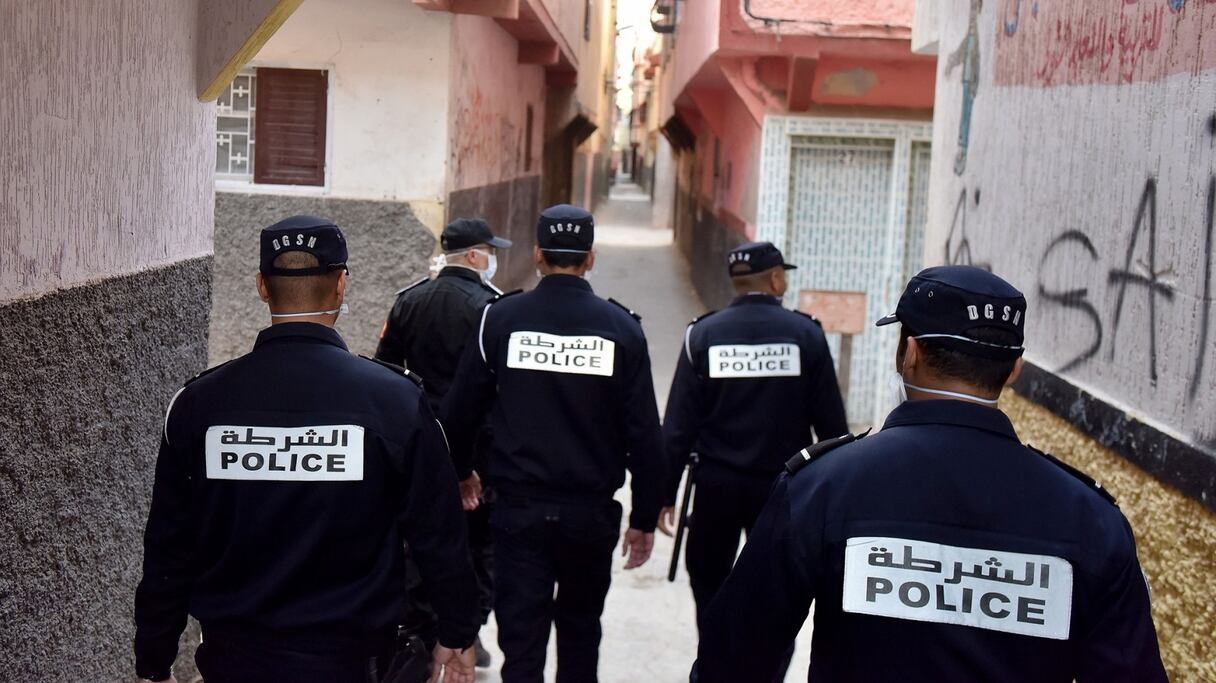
[(682, 524)]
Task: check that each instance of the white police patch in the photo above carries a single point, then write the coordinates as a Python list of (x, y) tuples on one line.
[(579, 355), (989, 589), (319, 453), (754, 360)]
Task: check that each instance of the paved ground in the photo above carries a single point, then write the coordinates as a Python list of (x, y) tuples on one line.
[(649, 630)]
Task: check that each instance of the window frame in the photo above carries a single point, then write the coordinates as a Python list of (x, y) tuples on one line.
[(250, 187)]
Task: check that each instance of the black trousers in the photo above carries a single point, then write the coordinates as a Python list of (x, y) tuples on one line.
[(726, 505), (539, 545), (253, 660)]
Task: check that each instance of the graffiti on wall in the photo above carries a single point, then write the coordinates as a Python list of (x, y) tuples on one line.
[(1046, 43), (967, 55), (1133, 271)]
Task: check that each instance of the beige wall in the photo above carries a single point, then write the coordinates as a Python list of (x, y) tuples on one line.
[(389, 64), (82, 197), (1175, 539)]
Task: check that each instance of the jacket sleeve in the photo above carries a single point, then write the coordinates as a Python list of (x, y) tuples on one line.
[(467, 402), (645, 442), (827, 414), (681, 423), (757, 613), (1120, 645), (391, 348), (434, 526), (163, 595)]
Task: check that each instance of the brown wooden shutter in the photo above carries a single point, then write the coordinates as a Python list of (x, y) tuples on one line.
[(290, 127)]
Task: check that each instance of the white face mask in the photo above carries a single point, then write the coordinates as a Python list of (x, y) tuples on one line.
[(899, 391), (491, 268), (895, 383), (340, 310)]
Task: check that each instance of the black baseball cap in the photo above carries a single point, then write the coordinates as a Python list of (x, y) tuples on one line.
[(946, 303), (463, 233), (317, 236), (755, 257), (565, 228)]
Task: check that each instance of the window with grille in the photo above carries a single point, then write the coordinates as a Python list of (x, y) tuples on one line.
[(271, 127)]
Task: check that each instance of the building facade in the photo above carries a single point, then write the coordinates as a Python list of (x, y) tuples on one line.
[(392, 118), (804, 124)]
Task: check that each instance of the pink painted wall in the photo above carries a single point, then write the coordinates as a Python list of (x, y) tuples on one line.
[(106, 154), (489, 97), (1053, 42), (697, 38), (845, 79), (841, 12)]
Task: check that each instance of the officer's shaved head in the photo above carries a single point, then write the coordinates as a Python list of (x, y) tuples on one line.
[(771, 281), (300, 292)]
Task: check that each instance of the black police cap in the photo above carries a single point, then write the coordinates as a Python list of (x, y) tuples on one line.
[(463, 233), (946, 303), (317, 236), (565, 228), (755, 257)]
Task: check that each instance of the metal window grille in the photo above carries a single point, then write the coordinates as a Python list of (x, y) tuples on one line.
[(234, 128)]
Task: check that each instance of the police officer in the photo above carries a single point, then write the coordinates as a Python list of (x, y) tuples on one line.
[(941, 548), (285, 481), (427, 329), (565, 378), (752, 382)]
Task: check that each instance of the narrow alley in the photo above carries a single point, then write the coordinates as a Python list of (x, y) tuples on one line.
[(649, 623)]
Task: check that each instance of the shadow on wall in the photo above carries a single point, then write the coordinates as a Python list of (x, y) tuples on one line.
[(705, 241), (389, 249), (511, 209)]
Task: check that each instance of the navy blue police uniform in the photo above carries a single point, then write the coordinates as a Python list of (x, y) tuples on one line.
[(940, 548), (286, 482), (565, 378), (426, 331), (752, 382)]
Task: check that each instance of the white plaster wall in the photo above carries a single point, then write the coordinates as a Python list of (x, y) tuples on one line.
[(1052, 194), (106, 155), (389, 76)]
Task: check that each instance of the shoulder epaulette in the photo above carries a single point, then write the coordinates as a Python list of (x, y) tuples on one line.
[(489, 286), (701, 317), (1078, 474), (810, 454), (407, 288), (397, 369), (503, 295), (813, 318), (626, 309), (169, 408)]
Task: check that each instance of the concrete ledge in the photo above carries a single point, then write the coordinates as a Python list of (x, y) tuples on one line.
[(1189, 468)]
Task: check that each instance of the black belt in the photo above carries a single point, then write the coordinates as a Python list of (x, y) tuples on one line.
[(508, 491)]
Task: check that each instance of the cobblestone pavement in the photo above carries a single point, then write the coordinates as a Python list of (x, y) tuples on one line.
[(649, 628)]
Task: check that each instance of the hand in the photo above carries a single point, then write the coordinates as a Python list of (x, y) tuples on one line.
[(457, 666), (637, 545), (667, 520), (470, 492)]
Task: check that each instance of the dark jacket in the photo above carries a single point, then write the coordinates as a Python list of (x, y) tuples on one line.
[(565, 378), (287, 483), (429, 325), (754, 403), (939, 549)]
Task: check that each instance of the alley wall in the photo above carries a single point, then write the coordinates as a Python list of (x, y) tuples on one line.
[(106, 161), (1075, 155)]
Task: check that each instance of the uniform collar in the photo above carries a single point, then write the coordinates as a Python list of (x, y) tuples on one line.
[(460, 272), (756, 298), (564, 281), (958, 413), (309, 331)]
